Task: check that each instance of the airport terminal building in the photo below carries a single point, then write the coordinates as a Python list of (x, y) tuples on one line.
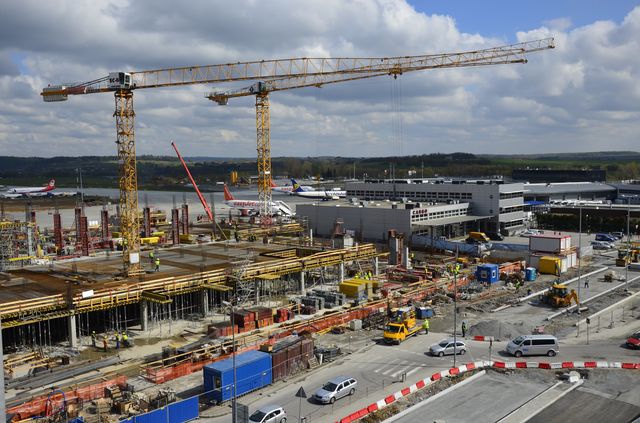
[(500, 204), (433, 207)]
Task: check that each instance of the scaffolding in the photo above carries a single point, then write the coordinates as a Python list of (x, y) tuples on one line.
[(17, 244)]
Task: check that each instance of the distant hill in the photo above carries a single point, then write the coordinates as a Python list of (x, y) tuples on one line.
[(165, 172)]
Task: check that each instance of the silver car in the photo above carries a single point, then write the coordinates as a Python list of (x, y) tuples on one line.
[(445, 347), (269, 414), (335, 389)]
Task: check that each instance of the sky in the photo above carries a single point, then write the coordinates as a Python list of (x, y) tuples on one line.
[(583, 95)]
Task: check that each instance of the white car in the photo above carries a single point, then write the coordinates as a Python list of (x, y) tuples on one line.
[(529, 232), (602, 245)]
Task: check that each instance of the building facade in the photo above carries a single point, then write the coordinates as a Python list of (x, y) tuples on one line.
[(500, 205)]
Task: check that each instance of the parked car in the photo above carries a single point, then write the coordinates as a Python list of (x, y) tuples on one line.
[(533, 345), (494, 236), (618, 235), (602, 245), (529, 232), (605, 237), (445, 347), (335, 389), (634, 341), (269, 414)]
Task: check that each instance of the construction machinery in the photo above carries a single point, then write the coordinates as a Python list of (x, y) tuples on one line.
[(273, 75), (403, 326), (627, 256), (559, 296)]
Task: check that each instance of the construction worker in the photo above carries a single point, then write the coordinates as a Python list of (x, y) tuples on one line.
[(157, 264), (464, 329), (370, 275), (425, 326), (93, 338), (117, 341), (586, 283), (104, 342), (151, 257), (125, 339)]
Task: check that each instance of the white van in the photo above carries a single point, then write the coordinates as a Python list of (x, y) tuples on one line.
[(533, 345)]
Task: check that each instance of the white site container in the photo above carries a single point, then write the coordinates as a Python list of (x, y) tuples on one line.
[(549, 243)]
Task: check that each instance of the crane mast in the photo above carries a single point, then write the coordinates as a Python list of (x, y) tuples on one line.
[(275, 75)]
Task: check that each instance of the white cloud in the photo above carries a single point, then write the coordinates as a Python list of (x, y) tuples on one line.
[(581, 96)]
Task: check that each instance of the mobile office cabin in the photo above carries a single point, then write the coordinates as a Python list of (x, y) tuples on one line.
[(253, 371)]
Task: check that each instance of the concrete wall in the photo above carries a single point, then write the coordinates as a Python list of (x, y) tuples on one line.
[(370, 223)]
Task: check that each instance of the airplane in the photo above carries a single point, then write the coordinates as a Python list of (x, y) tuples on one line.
[(288, 189), (36, 191), (252, 207), (333, 194)]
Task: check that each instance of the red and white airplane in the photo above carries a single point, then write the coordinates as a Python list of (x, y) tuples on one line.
[(252, 207), (34, 191)]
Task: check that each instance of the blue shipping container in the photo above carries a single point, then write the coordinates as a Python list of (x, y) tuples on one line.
[(253, 371), (487, 273)]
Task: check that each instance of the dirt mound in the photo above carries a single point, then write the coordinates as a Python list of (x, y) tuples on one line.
[(499, 330)]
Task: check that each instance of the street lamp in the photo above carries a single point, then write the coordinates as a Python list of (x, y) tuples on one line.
[(234, 410), (580, 257), (455, 309), (626, 263)]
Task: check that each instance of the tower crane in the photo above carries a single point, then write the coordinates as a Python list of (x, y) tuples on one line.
[(298, 71), (509, 54)]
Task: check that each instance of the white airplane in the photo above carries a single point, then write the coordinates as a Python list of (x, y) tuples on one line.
[(252, 207), (37, 191), (333, 194), (288, 189)]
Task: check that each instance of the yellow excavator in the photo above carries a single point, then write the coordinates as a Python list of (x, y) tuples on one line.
[(559, 296)]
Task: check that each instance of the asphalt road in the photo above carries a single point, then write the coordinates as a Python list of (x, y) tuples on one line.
[(379, 368), (470, 403)]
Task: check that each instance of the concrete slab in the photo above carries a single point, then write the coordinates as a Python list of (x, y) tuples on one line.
[(488, 398), (581, 406)]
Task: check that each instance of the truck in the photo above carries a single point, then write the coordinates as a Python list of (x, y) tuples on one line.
[(403, 326)]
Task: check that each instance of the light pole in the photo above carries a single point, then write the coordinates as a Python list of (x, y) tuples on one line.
[(455, 309), (580, 257), (234, 410), (627, 260)]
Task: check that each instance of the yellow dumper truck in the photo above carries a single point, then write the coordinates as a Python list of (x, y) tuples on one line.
[(403, 326)]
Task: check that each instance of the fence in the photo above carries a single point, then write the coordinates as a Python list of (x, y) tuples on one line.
[(177, 412)]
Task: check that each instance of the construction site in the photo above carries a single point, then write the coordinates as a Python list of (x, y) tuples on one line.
[(142, 316)]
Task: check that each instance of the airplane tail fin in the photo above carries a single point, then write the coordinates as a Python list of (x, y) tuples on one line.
[(227, 194), (51, 185), (273, 184), (296, 186)]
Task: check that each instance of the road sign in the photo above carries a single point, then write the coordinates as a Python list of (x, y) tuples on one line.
[(301, 393)]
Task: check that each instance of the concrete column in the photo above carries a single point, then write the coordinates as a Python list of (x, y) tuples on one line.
[(204, 302), (144, 315), (376, 266), (341, 265), (73, 333), (302, 282)]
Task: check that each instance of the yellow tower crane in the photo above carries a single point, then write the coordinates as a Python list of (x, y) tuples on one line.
[(395, 66), (278, 73)]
